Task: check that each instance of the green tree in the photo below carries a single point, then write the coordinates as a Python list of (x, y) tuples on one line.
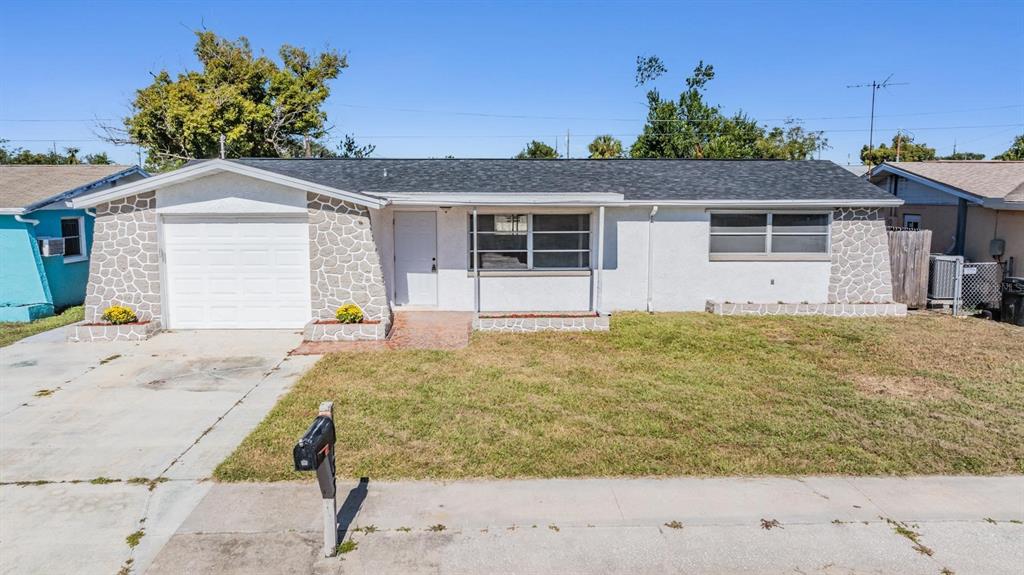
[(1016, 151), (605, 147), (98, 158), (21, 156), (964, 156), (903, 145), (349, 148), (537, 151), (692, 128), (263, 108)]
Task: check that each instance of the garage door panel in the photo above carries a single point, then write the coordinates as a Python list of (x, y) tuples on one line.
[(225, 274)]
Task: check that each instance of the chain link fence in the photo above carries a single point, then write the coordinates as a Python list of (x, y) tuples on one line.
[(981, 288), (967, 287)]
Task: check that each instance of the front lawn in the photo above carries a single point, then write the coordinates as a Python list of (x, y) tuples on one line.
[(670, 394), (12, 332)]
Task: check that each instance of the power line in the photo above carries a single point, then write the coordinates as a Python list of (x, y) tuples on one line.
[(875, 86), (534, 135)]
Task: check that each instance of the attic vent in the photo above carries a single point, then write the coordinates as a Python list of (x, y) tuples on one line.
[(51, 247)]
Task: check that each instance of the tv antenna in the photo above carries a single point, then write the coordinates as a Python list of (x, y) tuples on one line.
[(875, 85)]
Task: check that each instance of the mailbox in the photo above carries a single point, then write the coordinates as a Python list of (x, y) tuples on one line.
[(315, 452), (316, 445)]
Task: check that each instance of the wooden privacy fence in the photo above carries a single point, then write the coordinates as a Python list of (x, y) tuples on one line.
[(908, 258)]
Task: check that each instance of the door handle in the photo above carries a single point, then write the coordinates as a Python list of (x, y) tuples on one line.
[(433, 265)]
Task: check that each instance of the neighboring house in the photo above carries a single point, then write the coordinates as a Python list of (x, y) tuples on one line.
[(966, 204), (859, 170), (44, 244), (274, 243)]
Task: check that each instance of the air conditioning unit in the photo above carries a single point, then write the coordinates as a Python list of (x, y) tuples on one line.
[(943, 272), (51, 246)]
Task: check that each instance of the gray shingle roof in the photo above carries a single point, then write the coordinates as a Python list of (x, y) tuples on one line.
[(639, 180)]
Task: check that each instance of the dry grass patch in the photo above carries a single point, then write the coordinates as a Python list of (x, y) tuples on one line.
[(670, 394), (904, 387)]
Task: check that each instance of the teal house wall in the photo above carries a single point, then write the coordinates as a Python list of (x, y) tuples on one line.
[(24, 291), (32, 286)]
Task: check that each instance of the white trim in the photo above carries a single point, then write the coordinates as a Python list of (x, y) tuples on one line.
[(11, 211), (83, 248), (617, 200), (214, 167)]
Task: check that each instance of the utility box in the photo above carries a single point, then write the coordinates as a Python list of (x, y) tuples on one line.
[(1012, 308)]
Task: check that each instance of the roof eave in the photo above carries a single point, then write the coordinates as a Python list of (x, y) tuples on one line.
[(68, 195), (946, 188), (211, 167)]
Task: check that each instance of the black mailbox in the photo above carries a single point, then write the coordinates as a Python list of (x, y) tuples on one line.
[(316, 445)]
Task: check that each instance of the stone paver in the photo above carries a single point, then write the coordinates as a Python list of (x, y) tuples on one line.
[(826, 525), (411, 330)]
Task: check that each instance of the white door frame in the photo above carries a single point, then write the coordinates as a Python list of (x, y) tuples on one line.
[(394, 258)]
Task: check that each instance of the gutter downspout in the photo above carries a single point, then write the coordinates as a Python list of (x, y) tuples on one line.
[(650, 259), (476, 264), (26, 220), (600, 258)]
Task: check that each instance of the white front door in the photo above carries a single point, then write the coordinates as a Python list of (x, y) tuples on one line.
[(236, 272), (416, 258)]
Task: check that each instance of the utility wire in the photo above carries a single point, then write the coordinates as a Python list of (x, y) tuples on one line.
[(581, 118), (534, 135)]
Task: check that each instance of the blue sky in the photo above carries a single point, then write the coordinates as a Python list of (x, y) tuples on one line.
[(536, 70)]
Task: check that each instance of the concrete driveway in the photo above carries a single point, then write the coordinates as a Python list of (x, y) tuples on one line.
[(162, 413)]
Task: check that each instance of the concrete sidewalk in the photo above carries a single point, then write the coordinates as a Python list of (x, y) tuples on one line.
[(753, 525)]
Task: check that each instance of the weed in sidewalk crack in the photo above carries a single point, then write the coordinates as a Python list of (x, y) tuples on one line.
[(904, 530), (107, 360), (674, 525), (103, 480), (436, 528), (367, 530), (990, 520), (554, 528), (46, 392), (404, 529), (771, 524), (347, 546), (134, 539), (126, 567)]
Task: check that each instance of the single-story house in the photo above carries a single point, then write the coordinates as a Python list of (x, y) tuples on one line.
[(44, 244), (974, 208), (281, 243)]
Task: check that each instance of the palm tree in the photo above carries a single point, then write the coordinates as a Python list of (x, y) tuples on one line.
[(605, 147)]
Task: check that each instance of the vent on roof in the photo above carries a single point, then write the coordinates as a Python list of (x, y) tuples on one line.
[(51, 247)]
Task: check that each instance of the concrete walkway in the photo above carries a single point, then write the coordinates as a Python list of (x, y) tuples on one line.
[(831, 525), (77, 421)]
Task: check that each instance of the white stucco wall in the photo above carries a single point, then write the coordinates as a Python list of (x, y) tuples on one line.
[(684, 278), (228, 193)]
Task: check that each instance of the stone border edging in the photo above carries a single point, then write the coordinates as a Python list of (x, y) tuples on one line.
[(535, 324), (826, 309), (82, 332), (344, 331)]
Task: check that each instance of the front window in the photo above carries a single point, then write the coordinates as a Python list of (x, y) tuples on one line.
[(531, 241), (71, 231), (769, 233)]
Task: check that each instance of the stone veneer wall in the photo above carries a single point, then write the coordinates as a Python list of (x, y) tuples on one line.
[(344, 262), (860, 257), (124, 267)]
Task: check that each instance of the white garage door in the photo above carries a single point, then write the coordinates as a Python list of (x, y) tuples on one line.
[(238, 273)]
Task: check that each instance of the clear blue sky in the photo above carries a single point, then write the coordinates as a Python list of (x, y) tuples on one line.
[(565, 66)]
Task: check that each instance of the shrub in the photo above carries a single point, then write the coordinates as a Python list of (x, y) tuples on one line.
[(119, 314), (349, 313)]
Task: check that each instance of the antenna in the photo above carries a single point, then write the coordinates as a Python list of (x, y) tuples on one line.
[(875, 85)]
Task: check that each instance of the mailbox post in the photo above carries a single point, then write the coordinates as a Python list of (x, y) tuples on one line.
[(315, 452)]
